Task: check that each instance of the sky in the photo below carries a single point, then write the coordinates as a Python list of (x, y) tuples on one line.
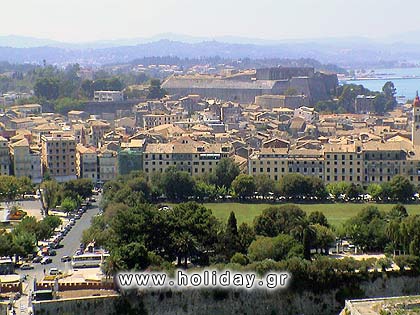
[(91, 20)]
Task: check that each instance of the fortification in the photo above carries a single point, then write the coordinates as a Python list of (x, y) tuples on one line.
[(244, 87)]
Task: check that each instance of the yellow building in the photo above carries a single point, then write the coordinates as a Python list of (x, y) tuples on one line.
[(194, 157), (356, 162), (153, 120), (26, 161), (4, 157), (86, 163), (58, 155)]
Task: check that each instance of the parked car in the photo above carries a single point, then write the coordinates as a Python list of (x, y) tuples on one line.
[(72, 222), (46, 260), (27, 267), (54, 272), (65, 258), (37, 259)]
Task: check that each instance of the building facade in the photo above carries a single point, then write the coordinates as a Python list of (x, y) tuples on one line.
[(193, 157), (58, 155), (86, 163)]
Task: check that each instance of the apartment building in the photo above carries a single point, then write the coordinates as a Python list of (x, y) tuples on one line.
[(26, 161), (359, 163), (58, 155), (86, 163), (153, 120), (4, 157), (108, 96), (194, 157), (107, 165)]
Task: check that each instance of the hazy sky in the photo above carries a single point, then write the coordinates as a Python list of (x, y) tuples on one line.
[(86, 20)]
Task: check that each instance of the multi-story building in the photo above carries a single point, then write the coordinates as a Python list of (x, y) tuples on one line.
[(58, 155), (86, 163), (96, 131), (108, 96), (185, 154), (26, 161), (107, 165), (4, 157), (153, 120), (343, 162), (356, 162), (130, 156)]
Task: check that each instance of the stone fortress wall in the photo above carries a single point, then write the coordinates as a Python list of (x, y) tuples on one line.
[(244, 88), (212, 302)]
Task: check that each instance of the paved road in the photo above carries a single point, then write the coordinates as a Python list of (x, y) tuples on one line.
[(70, 243)]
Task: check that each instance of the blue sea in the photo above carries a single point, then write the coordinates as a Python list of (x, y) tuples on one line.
[(405, 87)]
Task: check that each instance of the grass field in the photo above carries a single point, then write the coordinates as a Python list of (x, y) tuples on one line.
[(336, 213)]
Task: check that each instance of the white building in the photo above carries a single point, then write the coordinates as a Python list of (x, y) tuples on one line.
[(108, 96)]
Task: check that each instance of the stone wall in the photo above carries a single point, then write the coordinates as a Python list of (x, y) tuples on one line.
[(218, 302), (104, 305)]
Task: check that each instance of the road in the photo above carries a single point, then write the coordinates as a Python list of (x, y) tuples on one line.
[(70, 243)]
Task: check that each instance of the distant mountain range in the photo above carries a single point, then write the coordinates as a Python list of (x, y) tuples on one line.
[(345, 52)]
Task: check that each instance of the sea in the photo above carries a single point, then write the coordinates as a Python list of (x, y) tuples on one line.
[(406, 81)]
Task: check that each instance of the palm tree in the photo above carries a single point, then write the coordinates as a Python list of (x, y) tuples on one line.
[(185, 245)]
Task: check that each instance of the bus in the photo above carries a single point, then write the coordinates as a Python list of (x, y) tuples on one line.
[(88, 260)]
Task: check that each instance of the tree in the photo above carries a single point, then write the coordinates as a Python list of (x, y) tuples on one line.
[(10, 188), (87, 88), (78, 187), (246, 235), (337, 190), (229, 241), (47, 88), (294, 185), (367, 229), (155, 90), (353, 192), (398, 212), (389, 92), (177, 185), (244, 186), (226, 171), (24, 242), (184, 245), (277, 248), (50, 191), (375, 191), (284, 219), (68, 205), (379, 104), (401, 189), (264, 185), (318, 217), (316, 188), (324, 237), (240, 259), (196, 222), (132, 256), (203, 191)]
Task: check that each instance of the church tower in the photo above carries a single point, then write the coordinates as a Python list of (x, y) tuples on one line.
[(415, 136)]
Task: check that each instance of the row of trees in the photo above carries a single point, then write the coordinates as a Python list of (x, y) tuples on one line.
[(226, 180), (69, 195), (392, 232), (24, 238)]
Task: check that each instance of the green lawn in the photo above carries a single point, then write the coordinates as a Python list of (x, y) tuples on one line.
[(336, 213)]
